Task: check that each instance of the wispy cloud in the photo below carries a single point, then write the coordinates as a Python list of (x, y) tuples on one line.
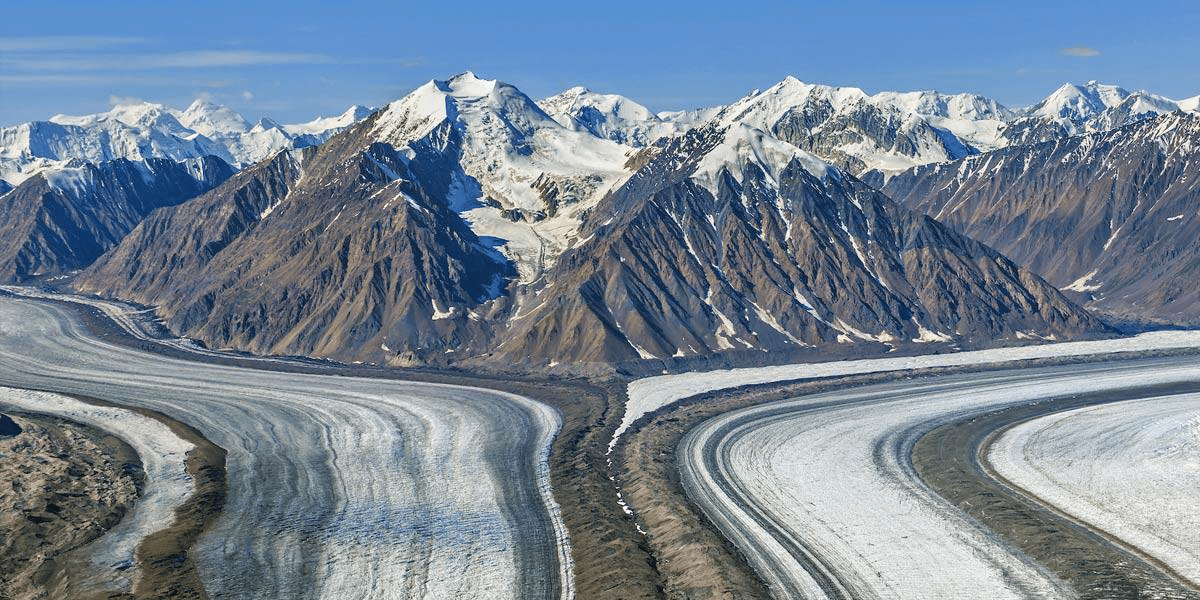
[(116, 101), (1080, 51), (65, 43), (76, 79), (213, 83), (177, 60)]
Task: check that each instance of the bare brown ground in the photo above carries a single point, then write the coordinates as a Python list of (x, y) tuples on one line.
[(88, 477), (62, 485)]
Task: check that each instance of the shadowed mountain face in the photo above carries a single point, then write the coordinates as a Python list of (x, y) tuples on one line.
[(1110, 215), (697, 257), (62, 220), (346, 251)]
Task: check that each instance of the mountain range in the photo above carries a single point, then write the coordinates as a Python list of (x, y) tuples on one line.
[(467, 223), (142, 130), (876, 136)]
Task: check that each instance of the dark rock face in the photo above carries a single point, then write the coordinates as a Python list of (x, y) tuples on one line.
[(8, 427), (1111, 215), (346, 251), (680, 271), (61, 221)]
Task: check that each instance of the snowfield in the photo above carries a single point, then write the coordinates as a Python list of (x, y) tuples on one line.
[(1131, 469), (821, 495), (651, 393), (167, 484), (339, 487)]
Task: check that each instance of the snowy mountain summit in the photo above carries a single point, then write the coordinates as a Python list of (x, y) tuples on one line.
[(518, 175), (878, 134), (143, 130)]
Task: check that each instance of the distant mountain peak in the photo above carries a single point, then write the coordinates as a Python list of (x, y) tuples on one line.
[(140, 130), (1076, 102), (468, 85), (213, 120)]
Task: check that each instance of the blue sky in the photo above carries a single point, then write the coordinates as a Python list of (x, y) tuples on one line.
[(297, 60)]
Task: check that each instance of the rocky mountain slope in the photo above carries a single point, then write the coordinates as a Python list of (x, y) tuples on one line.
[(1112, 215), (139, 131), (730, 240), (62, 220), (464, 222)]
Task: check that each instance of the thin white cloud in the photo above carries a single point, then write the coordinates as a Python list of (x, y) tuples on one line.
[(235, 58), (247, 96), (177, 60), (213, 83), (65, 43), (77, 79), (1081, 51), (116, 101)]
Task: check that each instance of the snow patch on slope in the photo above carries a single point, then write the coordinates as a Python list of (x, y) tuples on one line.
[(745, 145)]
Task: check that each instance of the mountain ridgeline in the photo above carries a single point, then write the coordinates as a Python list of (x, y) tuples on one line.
[(465, 224), (62, 220)]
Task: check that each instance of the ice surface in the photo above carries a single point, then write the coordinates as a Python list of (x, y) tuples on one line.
[(339, 487), (1131, 469), (651, 393), (834, 471)]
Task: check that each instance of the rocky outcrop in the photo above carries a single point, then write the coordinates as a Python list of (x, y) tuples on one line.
[(8, 427), (1111, 215), (62, 220)]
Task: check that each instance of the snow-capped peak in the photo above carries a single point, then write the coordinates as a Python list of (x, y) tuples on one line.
[(525, 178), (213, 120), (435, 102), (134, 114), (140, 130), (609, 116), (468, 85), (764, 109), (321, 125), (1077, 102), (266, 123)]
